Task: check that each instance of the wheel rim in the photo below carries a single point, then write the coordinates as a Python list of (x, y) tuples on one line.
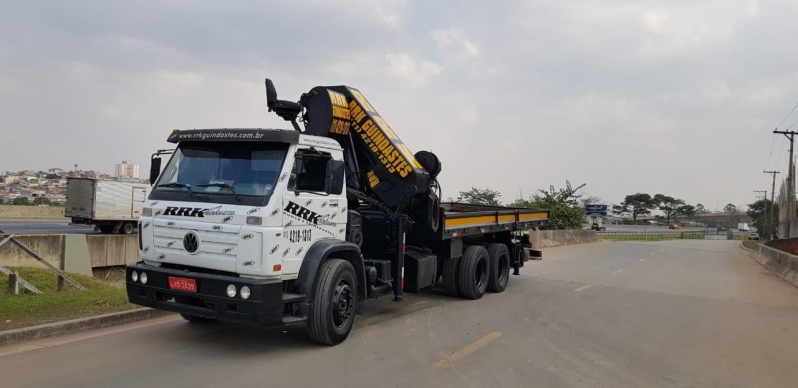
[(504, 268), (127, 228), (342, 303), (481, 274)]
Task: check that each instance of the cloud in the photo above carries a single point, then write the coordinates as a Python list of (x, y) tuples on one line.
[(624, 95), (453, 40), (414, 73)]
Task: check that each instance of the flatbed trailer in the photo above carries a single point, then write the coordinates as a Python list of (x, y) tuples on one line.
[(465, 220)]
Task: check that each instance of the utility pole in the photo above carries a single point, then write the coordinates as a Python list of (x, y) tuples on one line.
[(772, 204), (790, 211)]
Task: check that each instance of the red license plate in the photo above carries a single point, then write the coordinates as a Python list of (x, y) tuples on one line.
[(183, 284)]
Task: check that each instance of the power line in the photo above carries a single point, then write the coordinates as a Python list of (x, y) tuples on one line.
[(788, 115), (768, 163)]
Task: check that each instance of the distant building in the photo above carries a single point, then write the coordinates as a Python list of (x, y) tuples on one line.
[(127, 169), (56, 171)]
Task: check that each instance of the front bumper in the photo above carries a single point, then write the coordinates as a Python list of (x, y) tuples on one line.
[(264, 306)]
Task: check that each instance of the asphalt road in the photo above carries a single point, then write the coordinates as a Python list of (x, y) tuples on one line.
[(611, 314), (42, 227)]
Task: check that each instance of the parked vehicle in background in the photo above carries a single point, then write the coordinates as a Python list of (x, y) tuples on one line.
[(673, 226), (598, 227), (111, 206), (742, 226), (753, 236)]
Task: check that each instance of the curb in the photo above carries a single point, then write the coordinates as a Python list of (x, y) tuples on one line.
[(11, 337), (743, 246)]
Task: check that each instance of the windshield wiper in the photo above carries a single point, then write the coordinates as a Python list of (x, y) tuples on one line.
[(188, 187), (224, 186), (175, 184)]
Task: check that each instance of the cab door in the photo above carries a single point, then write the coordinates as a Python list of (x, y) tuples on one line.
[(311, 205)]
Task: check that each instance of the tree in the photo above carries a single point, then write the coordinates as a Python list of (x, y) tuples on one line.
[(479, 196), (41, 201), (21, 201), (668, 205), (565, 209), (759, 212), (684, 210), (730, 208), (700, 209), (589, 200), (637, 204)]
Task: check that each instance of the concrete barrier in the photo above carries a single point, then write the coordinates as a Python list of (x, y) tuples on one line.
[(780, 263), (49, 246), (31, 212), (553, 238), (103, 250)]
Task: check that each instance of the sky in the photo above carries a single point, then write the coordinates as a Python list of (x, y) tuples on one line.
[(672, 97)]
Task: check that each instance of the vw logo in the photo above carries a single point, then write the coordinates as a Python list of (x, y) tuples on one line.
[(191, 242)]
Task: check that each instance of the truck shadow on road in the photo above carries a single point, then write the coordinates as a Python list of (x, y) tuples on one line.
[(214, 337)]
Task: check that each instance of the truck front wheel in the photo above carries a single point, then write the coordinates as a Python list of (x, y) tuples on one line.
[(333, 311)]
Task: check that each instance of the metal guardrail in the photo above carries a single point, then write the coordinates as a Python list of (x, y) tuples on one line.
[(661, 233)]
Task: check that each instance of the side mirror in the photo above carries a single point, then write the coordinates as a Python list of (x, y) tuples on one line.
[(155, 169), (334, 182)]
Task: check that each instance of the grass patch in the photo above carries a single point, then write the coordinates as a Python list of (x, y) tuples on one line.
[(750, 244), (29, 309)]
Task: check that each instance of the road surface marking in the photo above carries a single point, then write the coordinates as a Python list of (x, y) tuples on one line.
[(654, 254), (643, 259), (617, 271), (462, 353), (585, 287)]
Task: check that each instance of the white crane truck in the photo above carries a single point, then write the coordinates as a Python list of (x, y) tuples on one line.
[(274, 227)]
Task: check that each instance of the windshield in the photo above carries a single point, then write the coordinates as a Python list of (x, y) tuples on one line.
[(229, 172)]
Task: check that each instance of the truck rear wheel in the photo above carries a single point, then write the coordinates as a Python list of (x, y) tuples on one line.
[(499, 267), (450, 267), (474, 272), (127, 228), (333, 311)]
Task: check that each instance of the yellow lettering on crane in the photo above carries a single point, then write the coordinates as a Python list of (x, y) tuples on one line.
[(362, 100)]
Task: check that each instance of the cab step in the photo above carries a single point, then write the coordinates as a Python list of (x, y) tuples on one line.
[(291, 298)]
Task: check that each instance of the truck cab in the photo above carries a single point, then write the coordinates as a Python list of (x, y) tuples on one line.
[(252, 208)]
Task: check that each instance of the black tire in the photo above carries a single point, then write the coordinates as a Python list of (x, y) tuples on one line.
[(333, 311), (474, 272), (107, 229), (127, 228), (499, 267), (195, 319), (450, 276)]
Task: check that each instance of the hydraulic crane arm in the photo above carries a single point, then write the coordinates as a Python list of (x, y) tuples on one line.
[(378, 161)]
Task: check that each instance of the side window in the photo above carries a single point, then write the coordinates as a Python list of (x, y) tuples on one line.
[(310, 171), (316, 171)]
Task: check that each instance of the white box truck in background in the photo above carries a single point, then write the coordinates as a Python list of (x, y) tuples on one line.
[(111, 206), (742, 226)]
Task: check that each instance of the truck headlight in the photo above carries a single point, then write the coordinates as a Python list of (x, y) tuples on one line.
[(231, 290), (134, 276), (245, 292), (146, 212)]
